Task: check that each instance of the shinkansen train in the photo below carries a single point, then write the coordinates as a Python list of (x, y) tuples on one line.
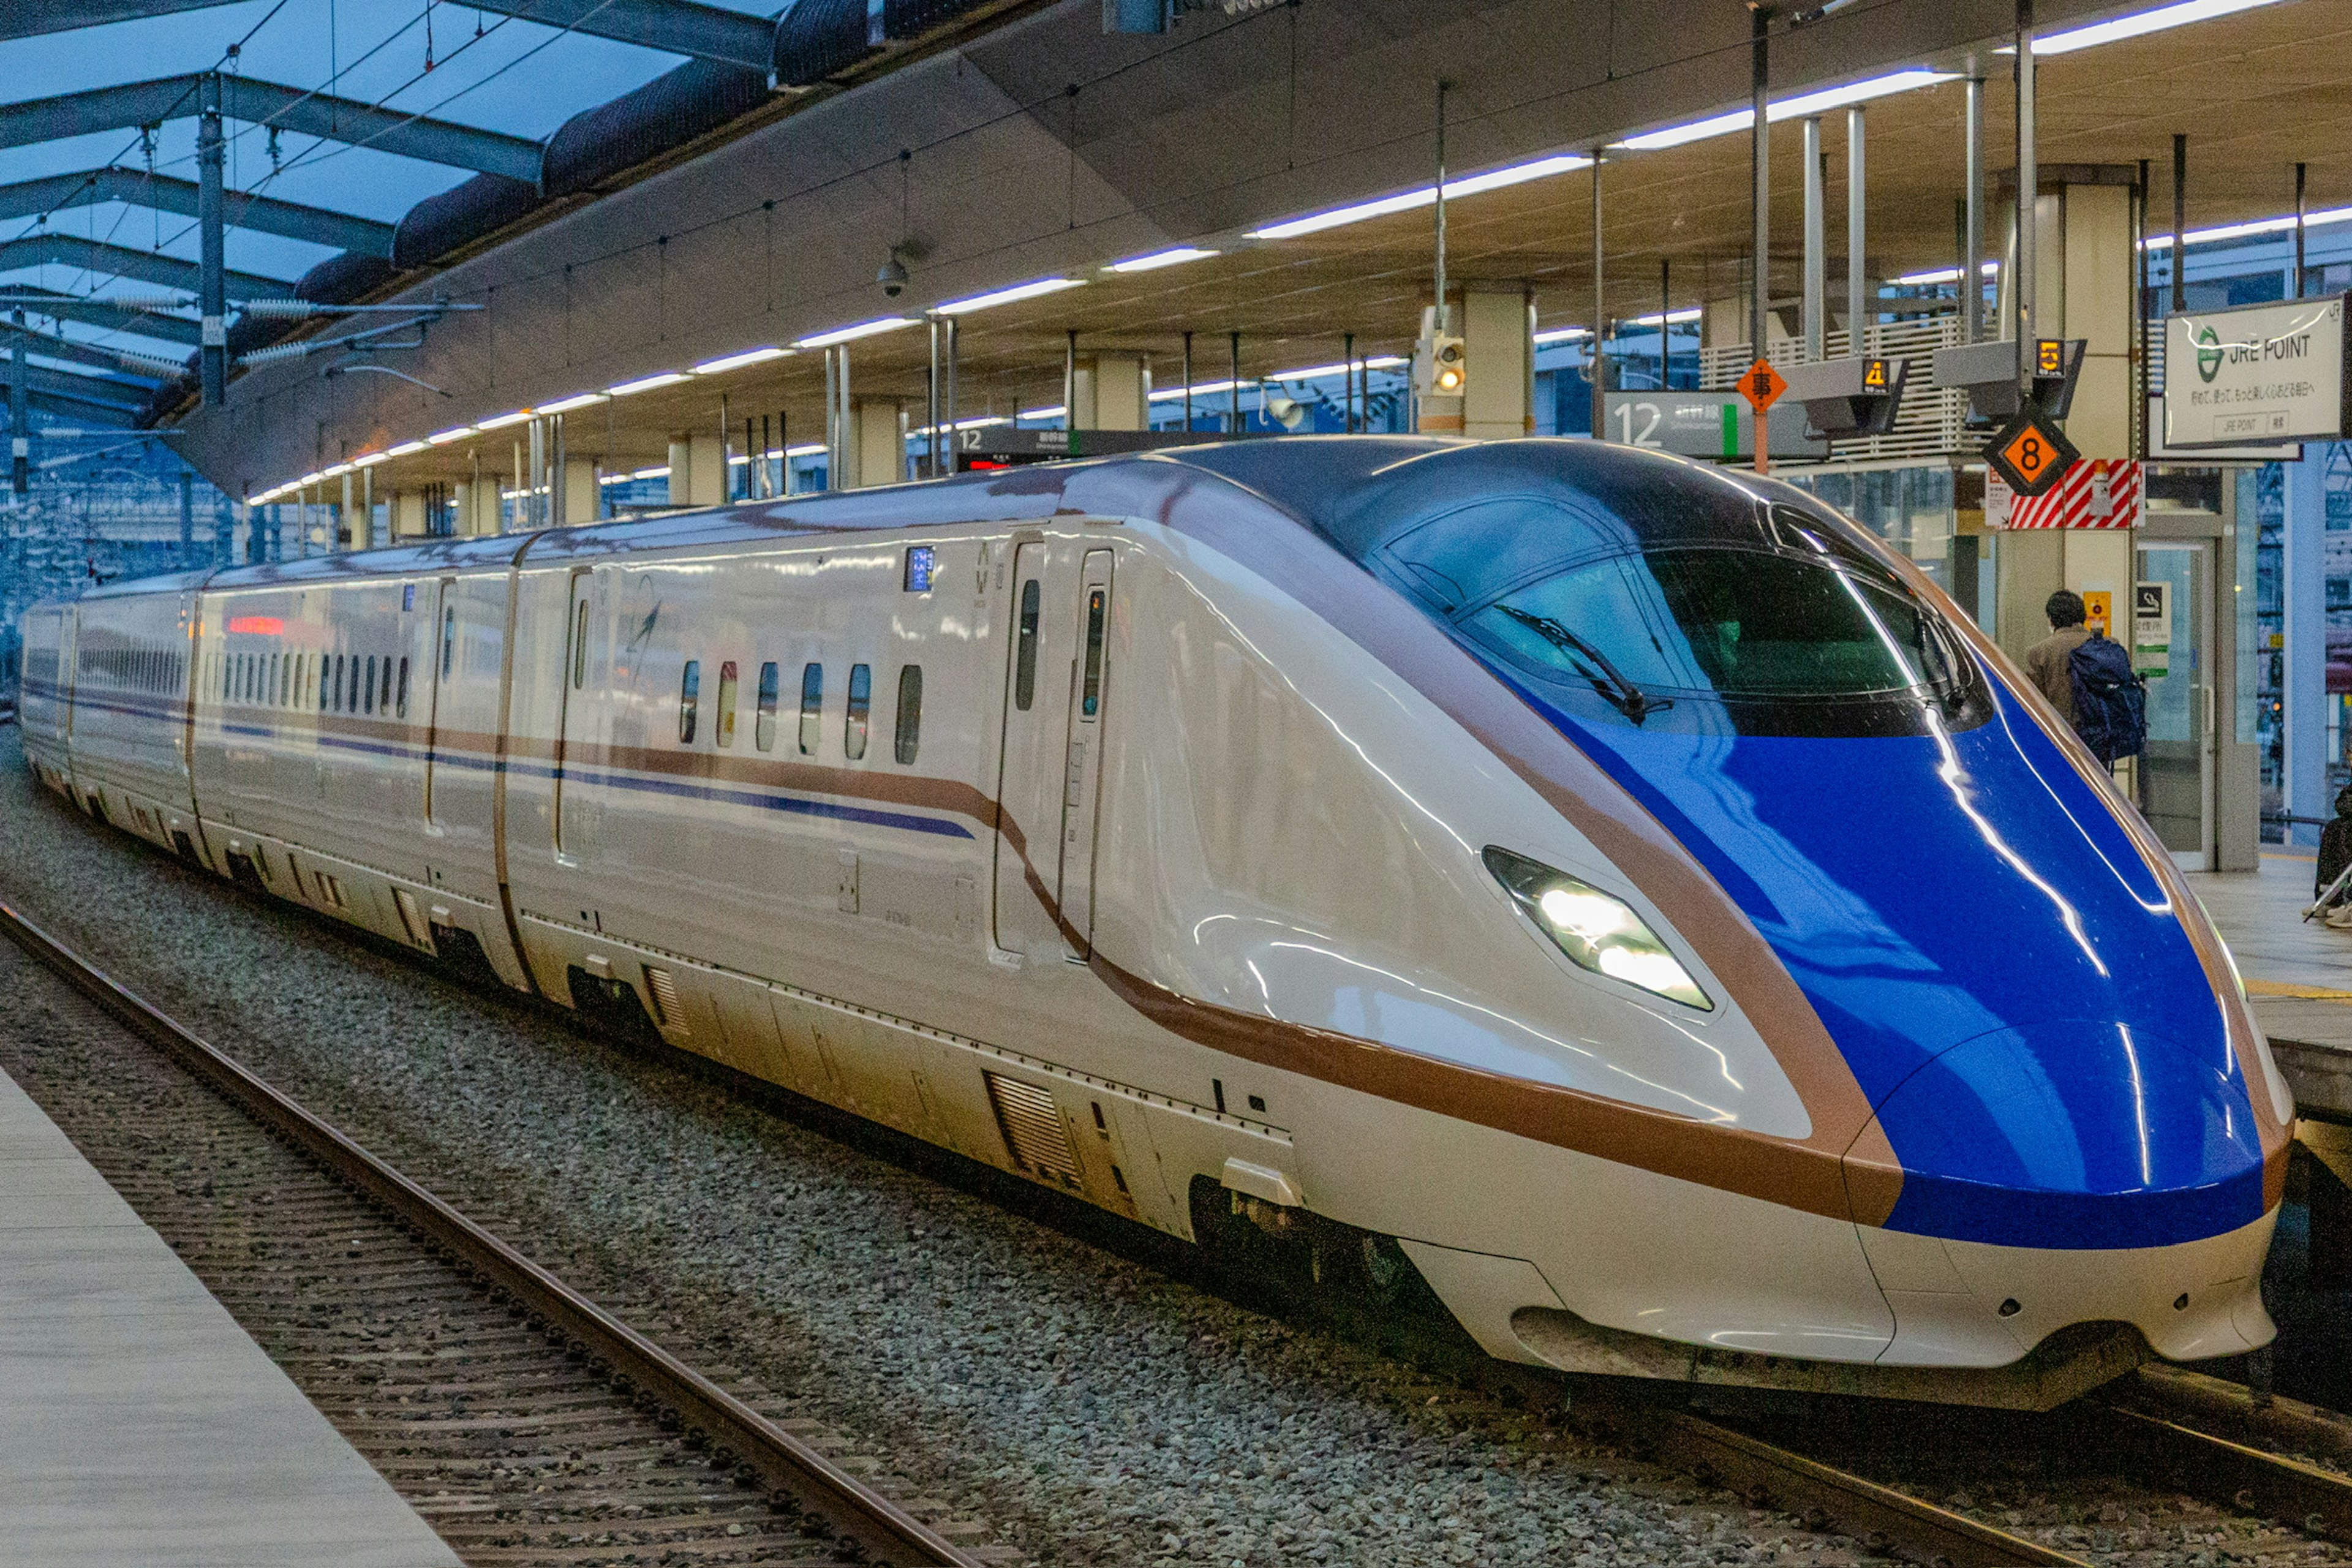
[(1617, 886)]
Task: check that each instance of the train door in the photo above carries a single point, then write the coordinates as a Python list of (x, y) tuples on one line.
[(1030, 783), (1082, 770), (443, 663), (572, 828), (2169, 633)]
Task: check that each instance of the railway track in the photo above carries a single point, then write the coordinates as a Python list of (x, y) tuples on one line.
[(532, 1426), (528, 1423)]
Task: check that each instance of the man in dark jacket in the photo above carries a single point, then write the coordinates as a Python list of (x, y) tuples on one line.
[(2335, 854), (2046, 661)]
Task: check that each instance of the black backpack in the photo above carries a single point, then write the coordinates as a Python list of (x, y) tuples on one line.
[(2110, 700)]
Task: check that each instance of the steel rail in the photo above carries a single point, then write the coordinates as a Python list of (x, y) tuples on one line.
[(887, 1534), (2202, 1438), (1771, 1475)]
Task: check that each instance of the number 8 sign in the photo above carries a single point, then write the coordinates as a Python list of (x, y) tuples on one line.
[(2030, 454)]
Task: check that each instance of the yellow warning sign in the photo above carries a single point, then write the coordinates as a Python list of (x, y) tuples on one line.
[(2098, 610)]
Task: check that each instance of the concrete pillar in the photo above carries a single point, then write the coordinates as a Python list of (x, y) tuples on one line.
[(581, 495), (697, 472), (2303, 570), (1498, 324), (881, 427), (2094, 303), (1110, 392), (408, 514)]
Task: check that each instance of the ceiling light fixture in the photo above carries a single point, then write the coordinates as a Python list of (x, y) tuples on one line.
[(443, 437), (737, 362), (2139, 25), (1029, 290), (851, 334), (1786, 108), (501, 422), (1407, 200), (566, 405), (646, 383), (1176, 257)]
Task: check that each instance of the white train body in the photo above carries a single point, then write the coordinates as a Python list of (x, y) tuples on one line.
[(1199, 896)]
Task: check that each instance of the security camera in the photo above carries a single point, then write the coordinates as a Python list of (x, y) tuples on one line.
[(893, 275)]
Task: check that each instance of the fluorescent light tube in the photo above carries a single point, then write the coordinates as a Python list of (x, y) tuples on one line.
[(1406, 201), (851, 334), (1786, 108), (737, 362), (646, 383), (1176, 257), (566, 405), (1029, 290)]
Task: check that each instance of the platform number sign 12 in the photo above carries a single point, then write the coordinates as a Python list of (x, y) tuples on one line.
[(2030, 454)]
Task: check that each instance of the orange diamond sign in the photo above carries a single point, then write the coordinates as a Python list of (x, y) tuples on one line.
[(2030, 454), (1761, 385)]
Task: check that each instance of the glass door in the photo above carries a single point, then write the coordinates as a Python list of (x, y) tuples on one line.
[(2170, 636)]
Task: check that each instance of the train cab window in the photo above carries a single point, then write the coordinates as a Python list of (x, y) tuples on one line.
[(861, 705), (689, 700), (402, 712), (1025, 655), (811, 708), (725, 731), (907, 734), (763, 727)]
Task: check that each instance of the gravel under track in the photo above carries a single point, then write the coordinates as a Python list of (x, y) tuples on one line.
[(966, 1353)]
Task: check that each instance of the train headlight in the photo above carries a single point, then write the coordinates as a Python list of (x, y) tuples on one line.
[(1597, 930)]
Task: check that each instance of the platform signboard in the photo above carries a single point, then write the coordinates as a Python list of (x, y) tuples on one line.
[(1714, 424), (2031, 455), (2259, 373)]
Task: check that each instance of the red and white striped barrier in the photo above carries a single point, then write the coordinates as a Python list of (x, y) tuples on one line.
[(2096, 492)]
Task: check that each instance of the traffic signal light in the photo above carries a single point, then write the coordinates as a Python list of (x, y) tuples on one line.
[(1439, 369)]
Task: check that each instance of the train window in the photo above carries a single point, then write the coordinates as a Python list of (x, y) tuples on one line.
[(1024, 657), (277, 680), (861, 703), (725, 735), (580, 646), (920, 560), (384, 692), (764, 728), (367, 691), (907, 734), (689, 700), (1090, 700), (402, 712), (449, 639), (811, 708), (323, 671), (336, 702)]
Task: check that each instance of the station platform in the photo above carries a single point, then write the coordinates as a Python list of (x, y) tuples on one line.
[(143, 1424), (2298, 973)]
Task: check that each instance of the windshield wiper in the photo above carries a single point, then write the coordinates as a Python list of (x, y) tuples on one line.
[(1610, 683)]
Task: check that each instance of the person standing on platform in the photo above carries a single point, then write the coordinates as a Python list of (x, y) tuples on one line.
[(2335, 854), (2047, 662)]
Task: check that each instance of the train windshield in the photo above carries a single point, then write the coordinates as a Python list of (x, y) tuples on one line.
[(1728, 623), (1774, 623)]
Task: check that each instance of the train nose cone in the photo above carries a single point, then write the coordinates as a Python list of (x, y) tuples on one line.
[(2075, 1134)]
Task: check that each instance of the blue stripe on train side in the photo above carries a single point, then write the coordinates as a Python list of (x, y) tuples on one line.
[(1992, 957)]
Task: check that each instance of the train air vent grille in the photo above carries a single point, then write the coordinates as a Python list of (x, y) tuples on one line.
[(412, 919), (667, 1011), (1034, 1130)]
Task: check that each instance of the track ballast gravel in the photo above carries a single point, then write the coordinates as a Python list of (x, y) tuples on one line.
[(974, 1362)]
